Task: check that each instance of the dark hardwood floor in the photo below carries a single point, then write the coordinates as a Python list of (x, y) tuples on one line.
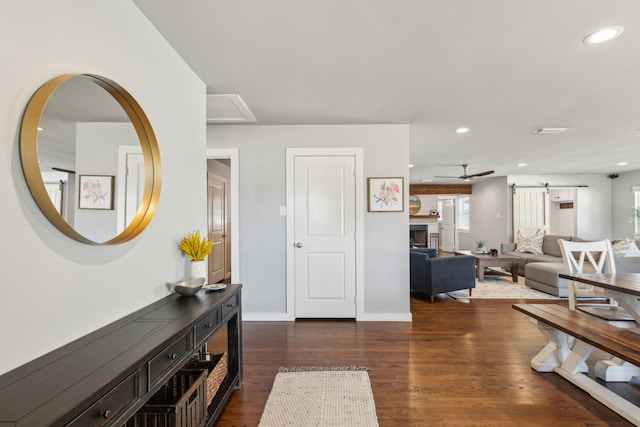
[(457, 364)]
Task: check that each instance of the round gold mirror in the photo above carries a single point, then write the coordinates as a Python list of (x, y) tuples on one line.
[(90, 159)]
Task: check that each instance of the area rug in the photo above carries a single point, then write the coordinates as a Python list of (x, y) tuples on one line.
[(501, 287), (320, 397)]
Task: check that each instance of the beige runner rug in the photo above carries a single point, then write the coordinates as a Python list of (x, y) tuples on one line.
[(320, 397)]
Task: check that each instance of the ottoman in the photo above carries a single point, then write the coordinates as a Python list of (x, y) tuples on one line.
[(543, 276)]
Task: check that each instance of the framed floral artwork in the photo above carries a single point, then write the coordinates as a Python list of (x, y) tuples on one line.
[(96, 192), (385, 194)]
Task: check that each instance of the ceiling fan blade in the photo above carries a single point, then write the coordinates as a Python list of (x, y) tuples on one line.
[(466, 176), (477, 174)]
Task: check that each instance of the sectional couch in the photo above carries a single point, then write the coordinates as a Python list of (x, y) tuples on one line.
[(541, 270), (550, 248)]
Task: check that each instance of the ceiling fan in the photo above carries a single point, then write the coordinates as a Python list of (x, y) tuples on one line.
[(466, 176)]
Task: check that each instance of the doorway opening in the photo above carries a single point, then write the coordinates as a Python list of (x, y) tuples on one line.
[(223, 163)]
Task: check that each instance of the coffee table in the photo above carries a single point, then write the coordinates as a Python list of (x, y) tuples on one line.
[(484, 261)]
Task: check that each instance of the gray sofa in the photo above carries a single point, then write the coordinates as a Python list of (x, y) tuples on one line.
[(541, 271), (550, 248)]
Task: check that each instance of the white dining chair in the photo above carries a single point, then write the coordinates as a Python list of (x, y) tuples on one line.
[(597, 255)]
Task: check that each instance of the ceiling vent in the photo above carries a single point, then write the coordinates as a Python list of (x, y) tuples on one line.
[(546, 131), (228, 109)]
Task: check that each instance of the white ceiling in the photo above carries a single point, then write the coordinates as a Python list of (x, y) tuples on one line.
[(501, 67)]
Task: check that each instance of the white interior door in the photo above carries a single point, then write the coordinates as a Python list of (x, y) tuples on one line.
[(324, 236), (54, 189), (216, 212), (448, 243), (130, 184)]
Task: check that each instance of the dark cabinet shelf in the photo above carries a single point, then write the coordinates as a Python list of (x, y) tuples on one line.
[(103, 378)]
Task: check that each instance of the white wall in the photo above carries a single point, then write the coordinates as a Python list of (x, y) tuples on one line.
[(53, 288), (489, 215), (262, 163), (491, 207), (593, 201), (622, 205), (97, 147)]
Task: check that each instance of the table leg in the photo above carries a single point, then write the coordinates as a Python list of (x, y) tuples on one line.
[(514, 272), (479, 271)]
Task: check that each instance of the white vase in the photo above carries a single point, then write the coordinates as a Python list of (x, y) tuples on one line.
[(198, 269)]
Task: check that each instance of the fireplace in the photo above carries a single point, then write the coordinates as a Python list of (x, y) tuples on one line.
[(418, 235)]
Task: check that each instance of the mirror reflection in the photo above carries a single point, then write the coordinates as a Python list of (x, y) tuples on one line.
[(93, 147)]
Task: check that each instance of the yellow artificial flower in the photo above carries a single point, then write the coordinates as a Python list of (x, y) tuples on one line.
[(196, 247)]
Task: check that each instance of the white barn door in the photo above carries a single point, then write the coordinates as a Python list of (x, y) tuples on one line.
[(530, 211), (324, 236)]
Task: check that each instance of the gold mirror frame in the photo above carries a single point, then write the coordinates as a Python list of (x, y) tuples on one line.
[(149, 145)]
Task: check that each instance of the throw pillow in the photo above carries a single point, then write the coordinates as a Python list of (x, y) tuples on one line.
[(625, 248), (532, 245)]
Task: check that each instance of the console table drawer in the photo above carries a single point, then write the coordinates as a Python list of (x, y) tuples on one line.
[(164, 361), (230, 305), (205, 327), (105, 410)]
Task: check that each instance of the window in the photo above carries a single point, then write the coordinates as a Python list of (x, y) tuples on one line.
[(463, 213)]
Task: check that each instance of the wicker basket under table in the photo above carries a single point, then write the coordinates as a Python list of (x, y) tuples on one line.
[(217, 368)]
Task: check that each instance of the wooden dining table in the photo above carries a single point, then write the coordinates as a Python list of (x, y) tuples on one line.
[(623, 287)]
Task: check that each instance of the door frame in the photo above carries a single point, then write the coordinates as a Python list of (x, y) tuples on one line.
[(234, 232), (291, 153), (121, 183)]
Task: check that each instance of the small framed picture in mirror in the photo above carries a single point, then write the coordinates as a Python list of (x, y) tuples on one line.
[(96, 192)]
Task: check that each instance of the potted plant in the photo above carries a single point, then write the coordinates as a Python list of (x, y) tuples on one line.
[(196, 248), (480, 244)]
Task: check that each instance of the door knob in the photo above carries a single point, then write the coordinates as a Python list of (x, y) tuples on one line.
[(298, 245)]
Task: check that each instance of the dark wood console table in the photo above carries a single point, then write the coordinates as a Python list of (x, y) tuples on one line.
[(103, 378)]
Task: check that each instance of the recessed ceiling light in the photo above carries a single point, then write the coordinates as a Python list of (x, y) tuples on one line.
[(40, 129), (603, 35), (426, 180), (622, 163), (522, 164), (411, 165), (462, 130)]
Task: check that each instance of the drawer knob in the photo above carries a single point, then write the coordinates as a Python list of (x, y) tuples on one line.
[(105, 414), (209, 325), (231, 305), (173, 356)]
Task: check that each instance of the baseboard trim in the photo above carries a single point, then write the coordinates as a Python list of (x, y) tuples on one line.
[(385, 317), (364, 317), (266, 317)]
